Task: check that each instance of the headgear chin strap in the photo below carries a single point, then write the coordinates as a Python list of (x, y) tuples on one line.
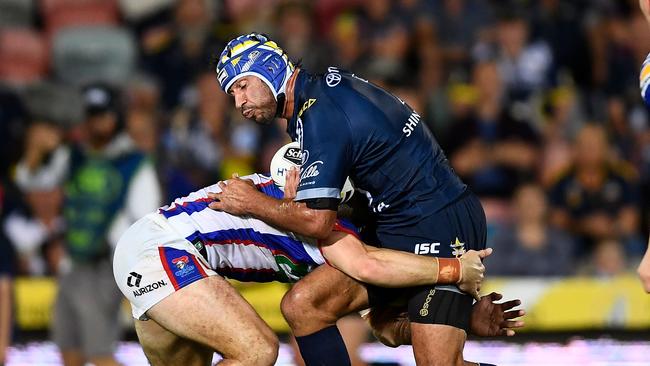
[(281, 99)]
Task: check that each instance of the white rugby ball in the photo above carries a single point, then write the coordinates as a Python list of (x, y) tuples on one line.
[(289, 156)]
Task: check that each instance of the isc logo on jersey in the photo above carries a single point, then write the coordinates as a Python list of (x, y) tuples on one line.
[(427, 248)]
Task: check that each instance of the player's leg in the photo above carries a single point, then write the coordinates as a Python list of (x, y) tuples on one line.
[(321, 298), (355, 333), (313, 306), (212, 313), (166, 279), (163, 347), (440, 315)]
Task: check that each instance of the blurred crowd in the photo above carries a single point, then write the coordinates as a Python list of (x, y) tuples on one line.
[(536, 104), (110, 108)]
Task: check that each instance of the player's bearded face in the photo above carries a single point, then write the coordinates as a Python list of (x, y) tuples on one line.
[(254, 100)]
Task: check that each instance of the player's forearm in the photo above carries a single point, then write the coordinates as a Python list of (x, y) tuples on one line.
[(392, 268), (292, 216), (383, 267)]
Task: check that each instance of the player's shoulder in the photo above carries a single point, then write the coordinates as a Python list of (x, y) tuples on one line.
[(334, 82), (327, 94)]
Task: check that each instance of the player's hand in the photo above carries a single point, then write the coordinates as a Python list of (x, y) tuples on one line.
[(490, 319), (291, 183), (472, 270), (644, 271), (235, 197)]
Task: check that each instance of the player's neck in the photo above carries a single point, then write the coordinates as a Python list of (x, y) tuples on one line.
[(290, 97)]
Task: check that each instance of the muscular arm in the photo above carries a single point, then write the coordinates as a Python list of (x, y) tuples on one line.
[(240, 197), (391, 268)]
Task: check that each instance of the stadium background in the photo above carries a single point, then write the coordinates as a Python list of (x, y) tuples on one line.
[(519, 93)]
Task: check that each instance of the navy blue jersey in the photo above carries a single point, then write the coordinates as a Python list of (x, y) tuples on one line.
[(347, 126)]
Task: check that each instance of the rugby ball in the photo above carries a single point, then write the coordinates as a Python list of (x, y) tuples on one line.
[(289, 156)]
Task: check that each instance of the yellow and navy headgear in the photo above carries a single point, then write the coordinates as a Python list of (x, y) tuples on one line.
[(254, 54)]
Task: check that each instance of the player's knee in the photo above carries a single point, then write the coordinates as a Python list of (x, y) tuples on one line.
[(298, 304), (156, 345), (269, 354), (265, 352)]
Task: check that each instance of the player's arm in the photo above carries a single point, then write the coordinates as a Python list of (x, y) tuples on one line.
[(325, 143), (392, 268), (240, 197)]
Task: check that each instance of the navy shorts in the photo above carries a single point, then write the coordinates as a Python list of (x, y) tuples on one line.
[(448, 233)]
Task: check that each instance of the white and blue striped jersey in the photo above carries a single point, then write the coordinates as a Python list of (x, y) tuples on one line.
[(242, 247)]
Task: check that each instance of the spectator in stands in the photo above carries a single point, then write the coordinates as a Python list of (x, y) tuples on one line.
[(293, 20), (35, 230), (6, 290), (350, 51), (142, 127), (529, 246), (35, 226), (525, 65), (490, 150), (178, 53), (458, 23), (12, 122), (388, 40), (607, 260), (596, 198), (561, 123), (108, 185), (434, 90), (562, 24), (194, 143)]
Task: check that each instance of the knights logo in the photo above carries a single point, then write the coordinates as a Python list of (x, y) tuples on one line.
[(180, 262), (183, 265), (457, 248)]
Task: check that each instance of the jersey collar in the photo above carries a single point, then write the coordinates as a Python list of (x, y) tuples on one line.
[(299, 98)]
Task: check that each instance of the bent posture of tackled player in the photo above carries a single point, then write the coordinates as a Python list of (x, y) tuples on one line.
[(168, 265)]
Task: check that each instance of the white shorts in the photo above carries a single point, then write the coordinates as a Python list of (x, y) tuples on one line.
[(152, 261)]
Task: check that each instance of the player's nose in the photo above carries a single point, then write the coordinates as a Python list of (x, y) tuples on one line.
[(240, 100)]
